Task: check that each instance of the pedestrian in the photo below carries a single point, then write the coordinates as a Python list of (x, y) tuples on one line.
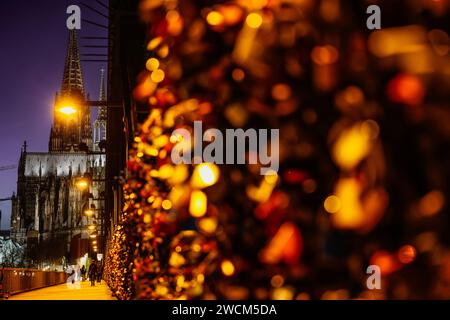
[(92, 273), (99, 272), (83, 272)]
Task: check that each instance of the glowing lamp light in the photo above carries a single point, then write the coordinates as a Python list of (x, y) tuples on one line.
[(92, 227), (205, 175), (352, 146), (254, 20), (67, 110), (214, 18), (82, 184), (89, 212), (166, 204), (198, 204), (332, 204), (286, 245), (93, 236), (407, 89), (227, 268), (208, 225), (407, 254)]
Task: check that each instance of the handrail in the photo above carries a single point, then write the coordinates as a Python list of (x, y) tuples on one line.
[(17, 280)]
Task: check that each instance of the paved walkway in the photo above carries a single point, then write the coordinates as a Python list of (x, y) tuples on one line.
[(78, 291)]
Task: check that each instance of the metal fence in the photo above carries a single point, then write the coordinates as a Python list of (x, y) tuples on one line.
[(20, 280)]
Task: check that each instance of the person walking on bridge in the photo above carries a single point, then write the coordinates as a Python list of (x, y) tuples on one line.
[(93, 273), (83, 273)]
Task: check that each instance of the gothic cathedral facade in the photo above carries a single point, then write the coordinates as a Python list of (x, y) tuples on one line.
[(49, 211)]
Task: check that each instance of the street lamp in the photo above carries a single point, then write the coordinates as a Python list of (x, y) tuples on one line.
[(68, 106), (67, 110), (82, 183), (89, 212), (92, 227)]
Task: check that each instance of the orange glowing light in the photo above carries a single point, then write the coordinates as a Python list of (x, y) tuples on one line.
[(67, 110), (89, 212), (431, 203), (152, 64), (407, 254), (386, 261), (227, 268), (407, 89), (208, 225), (238, 75), (281, 92), (166, 204), (325, 55), (214, 18), (332, 204), (158, 76), (205, 175), (286, 245), (198, 204), (82, 183), (254, 20), (352, 146)]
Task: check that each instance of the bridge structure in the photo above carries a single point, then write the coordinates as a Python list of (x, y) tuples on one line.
[(32, 284)]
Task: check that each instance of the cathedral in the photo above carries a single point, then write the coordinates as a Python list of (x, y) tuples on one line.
[(59, 208)]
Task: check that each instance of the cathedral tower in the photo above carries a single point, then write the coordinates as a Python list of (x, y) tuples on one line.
[(71, 131), (100, 122)]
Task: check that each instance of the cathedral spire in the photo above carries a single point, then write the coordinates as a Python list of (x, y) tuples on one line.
[(73, 77), (100, 122), (71, 133), (102, 115)]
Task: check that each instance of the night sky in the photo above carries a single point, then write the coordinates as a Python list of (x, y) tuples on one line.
[(33, 41)]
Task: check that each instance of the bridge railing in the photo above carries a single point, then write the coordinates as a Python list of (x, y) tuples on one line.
[(20, 280)]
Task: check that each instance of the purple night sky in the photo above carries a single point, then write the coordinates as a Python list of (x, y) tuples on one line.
[(33, 37)]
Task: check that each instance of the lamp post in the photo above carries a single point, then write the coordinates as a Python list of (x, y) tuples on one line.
[(70, 108), (84, 183)]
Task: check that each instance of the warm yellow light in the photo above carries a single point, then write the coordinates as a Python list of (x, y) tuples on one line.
[(89, 212), (205, 175), (227, 268), (82, 183), (332, 204), (166, 204), (152, 64), (166, 171), (353, 145), (198, 204), (94, 242), (158, 76), (91, 227), (214, 18), (263, 192), (67, 110), (254, 20), (208, 225), (93, 236), (348, 210)]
